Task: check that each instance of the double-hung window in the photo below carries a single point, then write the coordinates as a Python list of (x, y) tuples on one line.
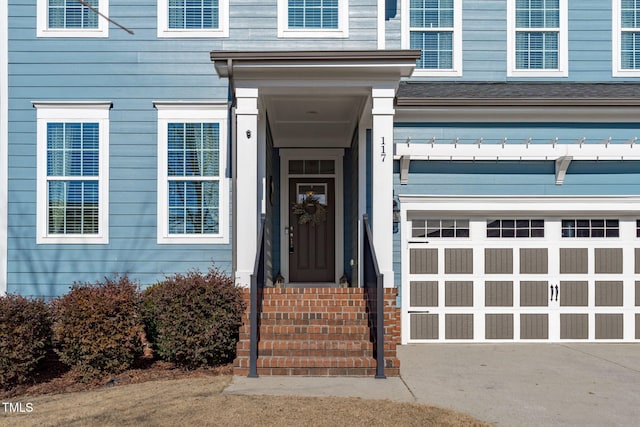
[(537, 39), (193, 18), (313, 18), (192, 187), (73, 172), (626, 38), (70, 18), (435, 28)]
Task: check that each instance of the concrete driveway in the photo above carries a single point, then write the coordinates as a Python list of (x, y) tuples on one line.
[(529, 384)]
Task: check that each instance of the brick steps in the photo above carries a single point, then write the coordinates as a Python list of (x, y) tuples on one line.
[(313, 331)]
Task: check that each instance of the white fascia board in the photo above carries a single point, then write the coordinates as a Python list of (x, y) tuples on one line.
[(517, 151), (488, 205), (4, 144)]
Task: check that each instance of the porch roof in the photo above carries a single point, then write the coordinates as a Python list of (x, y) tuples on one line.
[(388, 63), (414, 93)]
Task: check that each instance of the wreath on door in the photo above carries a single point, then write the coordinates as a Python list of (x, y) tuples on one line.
[(310, 211)]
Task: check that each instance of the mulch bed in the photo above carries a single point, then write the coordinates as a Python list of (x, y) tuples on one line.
[(54, 377)]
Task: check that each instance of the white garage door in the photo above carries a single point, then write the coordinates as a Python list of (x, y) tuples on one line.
[(504, 276)]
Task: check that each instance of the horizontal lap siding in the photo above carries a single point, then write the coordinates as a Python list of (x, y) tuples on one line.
[(484, 39), (132, 71)]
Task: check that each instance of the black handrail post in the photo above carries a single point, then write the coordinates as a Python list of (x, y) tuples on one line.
[(376, 311), (256, 285), (380, 325)]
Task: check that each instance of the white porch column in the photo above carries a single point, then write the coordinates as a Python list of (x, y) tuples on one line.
[(382, 180), (246, 203)]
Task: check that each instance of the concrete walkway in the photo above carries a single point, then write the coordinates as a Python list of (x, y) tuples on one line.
[(505, 384)]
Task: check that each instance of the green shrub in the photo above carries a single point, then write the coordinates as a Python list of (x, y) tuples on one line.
[(25, 334), (97, 327), (193, 319)]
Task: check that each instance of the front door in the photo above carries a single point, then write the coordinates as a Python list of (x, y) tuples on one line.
[(311, 230)]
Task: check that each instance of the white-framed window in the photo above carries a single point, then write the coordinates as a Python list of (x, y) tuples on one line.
[(70, 18), (625, 38), (537, 39), (193, 196), (515, 228), (575, 228), (313, 18), (435, 28), (72, 172), (193, 18)]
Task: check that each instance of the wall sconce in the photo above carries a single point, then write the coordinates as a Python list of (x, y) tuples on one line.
[(396, 216), (279, 281), (396, 211), (248, 134)]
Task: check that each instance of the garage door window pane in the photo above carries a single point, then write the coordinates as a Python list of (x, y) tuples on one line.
[(445, 228), (598, 228), (518, 228)]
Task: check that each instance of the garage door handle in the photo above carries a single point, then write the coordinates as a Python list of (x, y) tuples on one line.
[(556, 289), (556, 292)]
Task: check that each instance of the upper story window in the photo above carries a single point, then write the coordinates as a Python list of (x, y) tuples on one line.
[(518, 228), (638, 228), (72, 171), (70, 18), (537, 39), (435, 28), (192, 188), (313, 18), (626, 38), (193, 18), (590, 228)]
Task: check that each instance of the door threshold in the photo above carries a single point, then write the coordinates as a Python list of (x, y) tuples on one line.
[(312, 285)]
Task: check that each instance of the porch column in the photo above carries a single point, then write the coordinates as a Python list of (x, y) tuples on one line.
[(247, 206), (382, 180)]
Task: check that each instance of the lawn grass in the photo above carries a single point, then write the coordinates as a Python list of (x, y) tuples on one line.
[(200, 402)]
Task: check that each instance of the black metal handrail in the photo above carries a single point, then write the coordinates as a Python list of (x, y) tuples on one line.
[(255, 303), (374, 293)]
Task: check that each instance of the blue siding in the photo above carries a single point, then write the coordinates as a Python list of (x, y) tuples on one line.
[(484, 40)]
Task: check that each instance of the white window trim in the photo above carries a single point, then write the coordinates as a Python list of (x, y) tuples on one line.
[(185, 112), (165, 31), (285, 32), (43, 30), (87, 111), (616, 43), (456, 71), (563, 45)]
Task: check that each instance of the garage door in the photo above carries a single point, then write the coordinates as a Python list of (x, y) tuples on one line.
[(514, 278)]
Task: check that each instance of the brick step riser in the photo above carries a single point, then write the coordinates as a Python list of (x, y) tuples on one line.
[(325, 345), (314, 322), (324, 316), (313, 329), (313, 337), (312, 372), (309, 353), (311, 362)]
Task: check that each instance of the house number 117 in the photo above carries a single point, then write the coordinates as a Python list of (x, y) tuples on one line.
[(383, 154)]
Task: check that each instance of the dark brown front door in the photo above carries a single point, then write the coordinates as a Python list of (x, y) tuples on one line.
[(311, 233)]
